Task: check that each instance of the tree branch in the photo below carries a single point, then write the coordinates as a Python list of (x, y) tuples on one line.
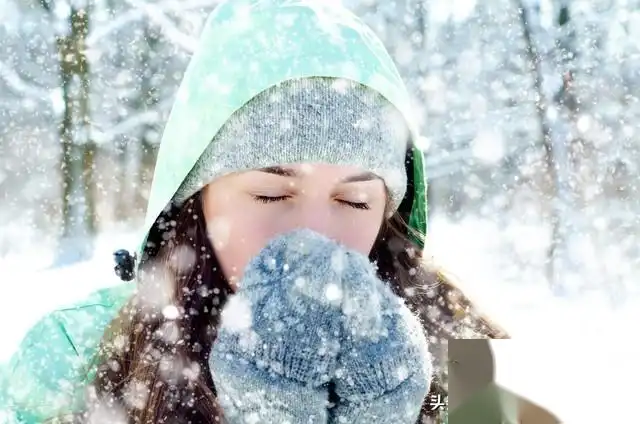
[(129, 124), (46, 5), (20, 86), (175, 35), (141, 10)]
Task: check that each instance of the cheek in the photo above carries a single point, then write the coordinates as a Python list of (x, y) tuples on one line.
[(237, 237), (360, 233)]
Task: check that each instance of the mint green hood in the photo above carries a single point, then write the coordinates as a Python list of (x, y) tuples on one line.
[(247, 46)]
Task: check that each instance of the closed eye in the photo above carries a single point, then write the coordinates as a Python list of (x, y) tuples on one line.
[(268, 199), (355, 205), (273, 199)]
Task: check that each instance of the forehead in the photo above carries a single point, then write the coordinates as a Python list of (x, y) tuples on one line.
[(318, 170), (310, 167), (317, 174)]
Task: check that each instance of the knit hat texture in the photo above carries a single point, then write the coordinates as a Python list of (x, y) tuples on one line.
[(309, 120)]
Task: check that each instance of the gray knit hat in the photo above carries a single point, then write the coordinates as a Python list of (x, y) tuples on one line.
[(315, 120)]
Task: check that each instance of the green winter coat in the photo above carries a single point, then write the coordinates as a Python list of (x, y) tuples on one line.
[(246, 46)]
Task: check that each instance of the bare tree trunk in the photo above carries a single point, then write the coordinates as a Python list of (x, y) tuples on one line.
[(89, 148), (122, 195), (580, 150), (78, 151), (148, 100), (566, 97), (148, 152), (69, 157), (556, 158), (91, 214), (124, 192)]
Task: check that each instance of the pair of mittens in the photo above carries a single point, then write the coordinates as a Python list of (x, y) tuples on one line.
[(309, 312)]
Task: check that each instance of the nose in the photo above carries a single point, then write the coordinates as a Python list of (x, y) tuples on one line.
[(317, 215)]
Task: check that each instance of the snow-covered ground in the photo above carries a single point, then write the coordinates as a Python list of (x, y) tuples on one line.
[(30, 288), (581, 380), (572, 355), (576, 357)]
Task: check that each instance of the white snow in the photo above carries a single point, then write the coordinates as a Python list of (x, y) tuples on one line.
[(136, 393), (333, 292), (565, 374), (183, 259), (488, 146), (338, 260), (564, 350), (237, 315), (31, 289), (170, 312), (107, 413), (219, 229), (157, 291)]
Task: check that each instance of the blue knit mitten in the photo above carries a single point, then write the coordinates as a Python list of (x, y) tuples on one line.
[(278, 340), (384, 366)]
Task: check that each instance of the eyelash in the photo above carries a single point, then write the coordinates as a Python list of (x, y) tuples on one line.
[(267, 199)]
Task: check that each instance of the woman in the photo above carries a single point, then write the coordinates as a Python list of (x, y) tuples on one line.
[(290, 152)]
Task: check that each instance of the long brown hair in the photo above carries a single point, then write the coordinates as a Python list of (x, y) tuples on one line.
[(152, 365)]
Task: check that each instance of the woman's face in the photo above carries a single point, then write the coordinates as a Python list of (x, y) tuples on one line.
[(245, 210)]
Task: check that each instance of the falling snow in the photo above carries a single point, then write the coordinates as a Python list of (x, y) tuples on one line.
[(237, 316), (136, 394), (170, 312), (107, 412), (219, 229), (547, 248)]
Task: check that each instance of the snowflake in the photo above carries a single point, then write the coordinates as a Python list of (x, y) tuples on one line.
[(489, 146), (342, 85), (170, 312), (120, 341), (402, 372), (182, 259), (219, 230), (107, 412), (136, 394), (333, 293), (192, 371), (237, 315), (169, 332), (338, 260), (156, 287)]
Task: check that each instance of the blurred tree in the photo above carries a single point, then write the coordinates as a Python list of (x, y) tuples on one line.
[(72, 19), (555, 152), (147, 100), (97, 78)]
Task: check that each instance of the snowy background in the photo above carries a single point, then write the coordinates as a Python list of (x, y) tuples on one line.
[(530, 117)]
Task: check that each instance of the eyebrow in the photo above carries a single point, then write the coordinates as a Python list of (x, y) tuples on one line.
[(288, 172), (278, 170)]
